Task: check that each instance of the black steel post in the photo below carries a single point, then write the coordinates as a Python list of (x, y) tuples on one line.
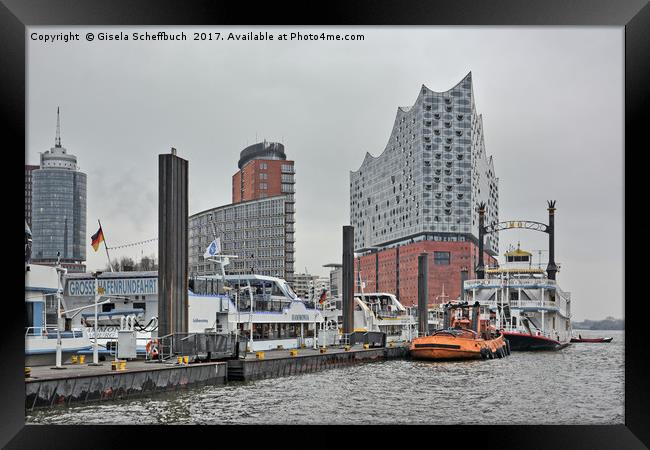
[(423, 294), (463, 278), (551, 269), (480, 268), (348, 279), (172, 244)]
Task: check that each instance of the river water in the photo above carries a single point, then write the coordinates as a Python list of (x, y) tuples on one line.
[(581, 384)]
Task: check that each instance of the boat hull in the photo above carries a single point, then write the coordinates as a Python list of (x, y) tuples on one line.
[(444, 347), (530, 342)]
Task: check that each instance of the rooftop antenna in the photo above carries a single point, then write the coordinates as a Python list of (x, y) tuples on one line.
[(57, 140)]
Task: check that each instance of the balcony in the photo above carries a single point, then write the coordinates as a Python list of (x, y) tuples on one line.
[(287, 169)]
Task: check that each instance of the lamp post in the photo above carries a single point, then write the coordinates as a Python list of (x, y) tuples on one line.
[(95, 347), (60, 272)]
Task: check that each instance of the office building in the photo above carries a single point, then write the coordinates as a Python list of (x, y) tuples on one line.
[(28, 193), (59, 209)]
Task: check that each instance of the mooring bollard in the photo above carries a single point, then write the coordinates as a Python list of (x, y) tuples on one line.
[(293, 352), (346, 348), (366, 346), (73, 358), (323, 349), (259, 355), (114, 365), (179, 360), (82, 359), (123, 364), (186, 359), (28, 372)]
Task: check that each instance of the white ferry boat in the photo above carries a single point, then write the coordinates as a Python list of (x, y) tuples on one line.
[(263, 311), (376, 311), (43, 301), (530, 308)]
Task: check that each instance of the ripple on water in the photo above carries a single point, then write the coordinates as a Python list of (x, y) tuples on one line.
[(580, 384)]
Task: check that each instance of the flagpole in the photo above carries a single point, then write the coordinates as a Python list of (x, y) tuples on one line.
[(105, 246)]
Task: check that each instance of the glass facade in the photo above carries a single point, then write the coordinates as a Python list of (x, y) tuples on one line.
[(256, 231), (58, 214), (431, 176)]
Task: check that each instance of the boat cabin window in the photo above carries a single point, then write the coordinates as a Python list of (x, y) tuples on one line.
[(206, 287), (107, 307), (514, 295), (522, 258)]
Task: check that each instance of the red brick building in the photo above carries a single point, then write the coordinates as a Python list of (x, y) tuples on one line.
[(263, 172), (398, 269)]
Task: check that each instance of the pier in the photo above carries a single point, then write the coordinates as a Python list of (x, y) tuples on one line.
[(279, 363), (79, 384)]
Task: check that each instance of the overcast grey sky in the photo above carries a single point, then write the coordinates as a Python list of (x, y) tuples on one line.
[(551, 100)]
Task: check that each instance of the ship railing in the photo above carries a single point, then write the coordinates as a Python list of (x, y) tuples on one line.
[(51, 332), (197, 345), (511, 282)]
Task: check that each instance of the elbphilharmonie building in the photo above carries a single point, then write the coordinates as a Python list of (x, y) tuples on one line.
[(421, 193)]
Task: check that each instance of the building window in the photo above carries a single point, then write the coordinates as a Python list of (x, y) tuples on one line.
[(443, 258)]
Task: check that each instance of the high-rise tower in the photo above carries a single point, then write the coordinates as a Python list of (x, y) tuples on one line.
[(258, 226), (59, 208), (421, 195)]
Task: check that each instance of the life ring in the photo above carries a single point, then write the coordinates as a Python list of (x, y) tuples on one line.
[(152, 348)]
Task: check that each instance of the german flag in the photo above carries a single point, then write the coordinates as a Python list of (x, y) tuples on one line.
[(97, 238)]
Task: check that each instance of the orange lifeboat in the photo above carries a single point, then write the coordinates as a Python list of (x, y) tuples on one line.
[(459, 341)]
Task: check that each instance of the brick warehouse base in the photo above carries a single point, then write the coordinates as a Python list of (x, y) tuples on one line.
[(398, 270)]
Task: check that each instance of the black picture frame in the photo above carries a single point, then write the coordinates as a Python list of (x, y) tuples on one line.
[(16, 15)]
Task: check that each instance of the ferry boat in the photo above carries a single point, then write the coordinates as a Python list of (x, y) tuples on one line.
[(530, 308), (43, 303), (263, 311), (466, 334), (375, 311)]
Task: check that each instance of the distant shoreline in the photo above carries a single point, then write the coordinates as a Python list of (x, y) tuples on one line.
[(603, 325)]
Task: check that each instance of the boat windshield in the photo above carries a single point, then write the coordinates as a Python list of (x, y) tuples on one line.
[(288, 289)]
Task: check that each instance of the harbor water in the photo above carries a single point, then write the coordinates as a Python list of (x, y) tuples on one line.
[(581, 384)]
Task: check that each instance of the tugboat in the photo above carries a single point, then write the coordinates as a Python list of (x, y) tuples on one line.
[(467, 334)]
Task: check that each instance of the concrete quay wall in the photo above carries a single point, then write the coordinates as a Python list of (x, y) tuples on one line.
[(256, 369), (108, 385)]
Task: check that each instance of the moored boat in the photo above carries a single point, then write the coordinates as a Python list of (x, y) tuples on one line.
[(592, 340), (466, 336), (531, 310)]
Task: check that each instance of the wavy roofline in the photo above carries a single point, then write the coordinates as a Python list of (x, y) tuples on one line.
[(405, 109)]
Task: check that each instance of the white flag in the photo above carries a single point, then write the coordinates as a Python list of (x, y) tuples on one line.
[(213, 249)]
